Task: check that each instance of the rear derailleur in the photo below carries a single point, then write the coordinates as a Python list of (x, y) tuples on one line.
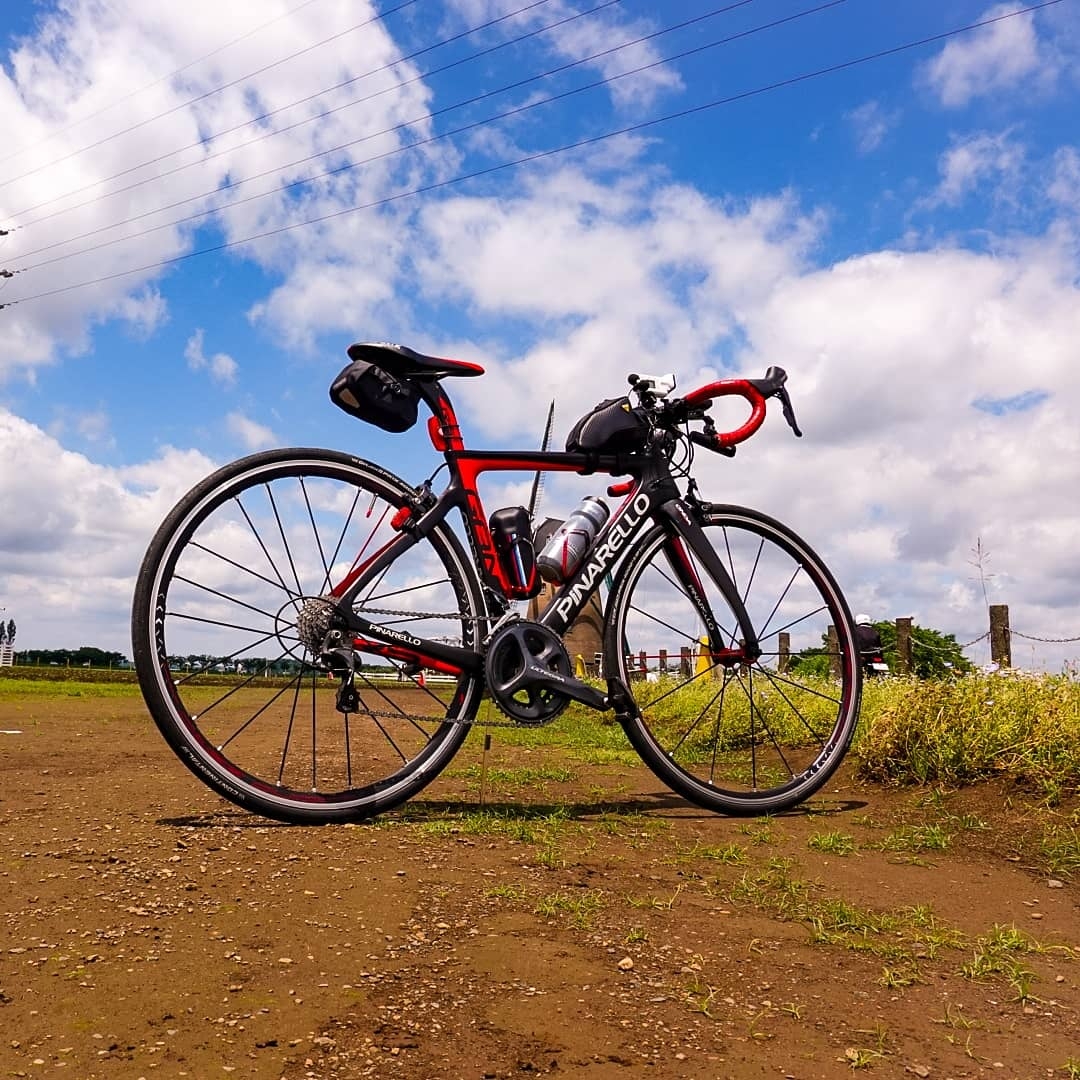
[(330, 647)]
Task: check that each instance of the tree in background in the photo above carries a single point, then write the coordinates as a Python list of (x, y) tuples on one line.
[(934, 655), (10, 631)]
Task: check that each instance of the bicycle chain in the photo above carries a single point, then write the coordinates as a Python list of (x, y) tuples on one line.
[(424, 614), (508, 723), (435, 719)]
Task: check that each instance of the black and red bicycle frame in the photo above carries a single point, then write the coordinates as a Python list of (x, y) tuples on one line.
[(649, 495)]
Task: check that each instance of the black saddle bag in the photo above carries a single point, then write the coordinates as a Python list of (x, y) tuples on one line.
[(369, 393)]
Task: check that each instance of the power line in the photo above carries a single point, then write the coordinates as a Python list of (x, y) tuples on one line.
[(542, 154), (156, 82), (300, 123), (409, 146), (209, 93), (562, 68)]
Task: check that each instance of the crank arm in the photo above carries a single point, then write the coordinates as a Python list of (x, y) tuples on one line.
[(534, 675)]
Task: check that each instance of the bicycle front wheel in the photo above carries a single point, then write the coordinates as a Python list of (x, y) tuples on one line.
[(222, 666), (750, 738)]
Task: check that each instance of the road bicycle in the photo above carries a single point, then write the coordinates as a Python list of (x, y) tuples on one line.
[(315, 636)]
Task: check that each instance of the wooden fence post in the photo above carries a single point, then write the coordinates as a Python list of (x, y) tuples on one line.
[(834, 653), (1000, 644), (784, 659), (904, 661), (685, 661), (663, 661)]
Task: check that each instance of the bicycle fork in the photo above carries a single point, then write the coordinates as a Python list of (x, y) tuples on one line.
[(682, 526)]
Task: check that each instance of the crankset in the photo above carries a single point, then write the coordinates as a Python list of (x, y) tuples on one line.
[(528, 674)]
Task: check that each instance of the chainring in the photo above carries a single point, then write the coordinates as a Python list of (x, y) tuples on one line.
[(516, 659)]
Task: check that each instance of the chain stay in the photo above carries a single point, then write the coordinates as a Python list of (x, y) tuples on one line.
[(417, 717)]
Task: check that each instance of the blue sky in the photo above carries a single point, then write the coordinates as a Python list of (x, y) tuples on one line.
[(900, 234)]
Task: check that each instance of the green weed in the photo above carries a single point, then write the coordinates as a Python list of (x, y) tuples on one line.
[(832, 843), (1060, 847), (507, 892), (581, 909), (729, 854), (963, 730), (916, 838)]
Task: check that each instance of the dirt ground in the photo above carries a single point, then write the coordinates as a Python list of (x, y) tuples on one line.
[(586, 923)]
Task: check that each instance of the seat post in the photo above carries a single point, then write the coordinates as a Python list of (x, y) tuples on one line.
[(443, 428)]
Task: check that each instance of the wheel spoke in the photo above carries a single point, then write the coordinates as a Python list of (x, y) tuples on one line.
[(775, 738), (254, 715)]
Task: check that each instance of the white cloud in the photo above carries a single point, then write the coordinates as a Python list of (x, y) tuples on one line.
[(991, 59), (973, 161), (938, 388), (73, 533), (89, 56), (586, 37), (871, 123), (935, 387), (1064, 186), (252, 435), (95, 427), (222, 367)]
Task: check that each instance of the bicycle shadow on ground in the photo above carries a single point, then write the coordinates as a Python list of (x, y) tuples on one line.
[(664, 805), (660, 804)]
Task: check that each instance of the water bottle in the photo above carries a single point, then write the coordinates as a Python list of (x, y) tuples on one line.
[(566, 548)]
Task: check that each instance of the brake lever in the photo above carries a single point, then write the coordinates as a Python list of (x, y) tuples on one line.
[(710, 443), (789, 412)]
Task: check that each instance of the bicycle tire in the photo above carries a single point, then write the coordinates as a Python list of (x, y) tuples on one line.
[(743, 740), (252, 717)]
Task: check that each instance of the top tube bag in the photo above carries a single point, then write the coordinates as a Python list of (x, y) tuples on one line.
[(369, 393), (612, 427)]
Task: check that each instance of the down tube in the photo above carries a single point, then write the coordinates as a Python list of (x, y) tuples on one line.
[(610, 546)]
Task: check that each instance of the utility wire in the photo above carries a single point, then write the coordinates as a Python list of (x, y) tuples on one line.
[(232, 185), (543, 154), (300, 123), (208, 93), (156, 82), (399, 149)]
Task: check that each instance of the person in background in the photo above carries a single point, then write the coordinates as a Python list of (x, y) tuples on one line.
[(867, 636)]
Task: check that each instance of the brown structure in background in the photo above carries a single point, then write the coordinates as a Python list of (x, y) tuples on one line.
[(585, 638), (905, 658), (1000, 640)]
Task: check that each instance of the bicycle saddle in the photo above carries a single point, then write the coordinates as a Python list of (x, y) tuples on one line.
[(399, 360)]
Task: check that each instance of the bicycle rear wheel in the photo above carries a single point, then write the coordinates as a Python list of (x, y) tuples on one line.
[(223, 670), (739, 739)]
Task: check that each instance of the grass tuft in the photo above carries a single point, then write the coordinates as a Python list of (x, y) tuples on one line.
[(1025, 728)]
